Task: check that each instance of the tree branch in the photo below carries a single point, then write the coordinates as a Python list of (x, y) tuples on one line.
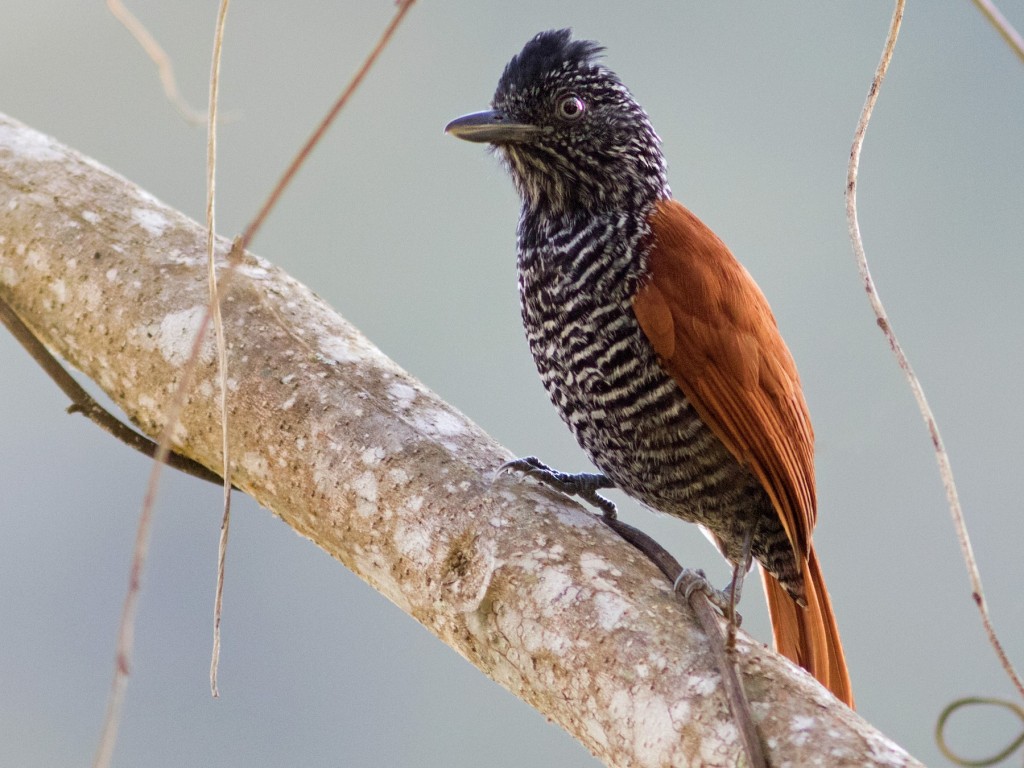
[(359, 457)]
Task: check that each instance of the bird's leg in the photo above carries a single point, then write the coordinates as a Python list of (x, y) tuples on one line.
[(647, 546), (735, 589), (584, 485), (690, 580)]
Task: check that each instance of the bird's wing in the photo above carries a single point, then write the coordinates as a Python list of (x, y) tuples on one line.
[(714, 332)]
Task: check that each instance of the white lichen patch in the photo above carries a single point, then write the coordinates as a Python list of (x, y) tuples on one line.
[(59, 290), (440, 425), (681, 711), (804, 723), (447, 423), (111, 274), (253, 271), (92, 217), (573, 518), (256, 467), (554, 590), (144, 196), (182, 259), (176, 332), (335, 349), (371, 457), (29, 144), (153, 221), (255, 464), (883, 751), (9, 276), (702, 685), (398, 476), (537, 639), (401, 394), (413, 542), (611, 609), (37, 259), (594, 566), (150, 410), (654, 741), (365, 488)]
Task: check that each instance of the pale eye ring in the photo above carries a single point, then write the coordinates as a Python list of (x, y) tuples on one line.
[(571, 107)]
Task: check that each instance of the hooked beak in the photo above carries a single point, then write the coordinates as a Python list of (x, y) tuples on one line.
[(492, 127)]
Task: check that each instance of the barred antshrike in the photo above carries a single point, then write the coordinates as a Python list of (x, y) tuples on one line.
[(656, 346)]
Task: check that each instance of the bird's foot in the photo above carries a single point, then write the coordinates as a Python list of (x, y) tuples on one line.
[(692, 580), (584, 485)]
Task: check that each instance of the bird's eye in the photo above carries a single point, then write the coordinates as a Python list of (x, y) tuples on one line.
[(571, 108)]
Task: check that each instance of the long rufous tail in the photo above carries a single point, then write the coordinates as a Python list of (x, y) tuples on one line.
[(809, 636)]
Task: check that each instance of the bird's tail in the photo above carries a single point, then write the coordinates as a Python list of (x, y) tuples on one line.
[(808, 635)]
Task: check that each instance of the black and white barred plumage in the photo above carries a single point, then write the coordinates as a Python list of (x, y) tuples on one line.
[(597, 151), (589, 177)]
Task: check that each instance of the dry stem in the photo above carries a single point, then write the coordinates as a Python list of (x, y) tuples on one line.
[(941, 456)]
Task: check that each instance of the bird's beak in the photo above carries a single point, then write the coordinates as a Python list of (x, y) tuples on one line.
[(491, 126)]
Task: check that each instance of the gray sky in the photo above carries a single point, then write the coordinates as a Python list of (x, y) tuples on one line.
[(410, 235)]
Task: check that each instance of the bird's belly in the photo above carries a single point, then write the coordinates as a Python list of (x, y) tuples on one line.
[(637, 426)]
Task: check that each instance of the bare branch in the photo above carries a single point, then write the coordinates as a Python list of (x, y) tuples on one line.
[(356, 455)]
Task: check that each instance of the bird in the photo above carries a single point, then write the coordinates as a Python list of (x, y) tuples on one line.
[(655, 345)]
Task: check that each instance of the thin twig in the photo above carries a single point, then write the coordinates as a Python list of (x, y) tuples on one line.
[(321, 129), (84, 403), (126, 629), (173, 411), (1009, 749), (708, 617), (159, 57), (1004, 27), (945, 468), (218, 324)]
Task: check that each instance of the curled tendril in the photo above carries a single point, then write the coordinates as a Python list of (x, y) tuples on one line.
[(940, 728)]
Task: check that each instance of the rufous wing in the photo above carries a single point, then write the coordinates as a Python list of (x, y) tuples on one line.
[(714, 332)]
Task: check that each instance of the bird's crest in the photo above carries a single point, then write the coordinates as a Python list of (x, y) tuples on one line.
[(546, 54)]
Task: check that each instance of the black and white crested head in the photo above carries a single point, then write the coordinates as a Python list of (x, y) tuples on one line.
[(571, 134)]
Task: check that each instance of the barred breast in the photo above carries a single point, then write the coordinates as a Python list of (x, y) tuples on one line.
[(576, 281)]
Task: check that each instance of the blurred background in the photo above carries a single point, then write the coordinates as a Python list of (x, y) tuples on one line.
[(410, 235)]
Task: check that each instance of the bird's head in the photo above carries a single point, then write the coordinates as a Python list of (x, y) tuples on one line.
[(570, 133)]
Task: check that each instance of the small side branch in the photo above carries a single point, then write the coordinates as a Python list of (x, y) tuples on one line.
[(84, 403)]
